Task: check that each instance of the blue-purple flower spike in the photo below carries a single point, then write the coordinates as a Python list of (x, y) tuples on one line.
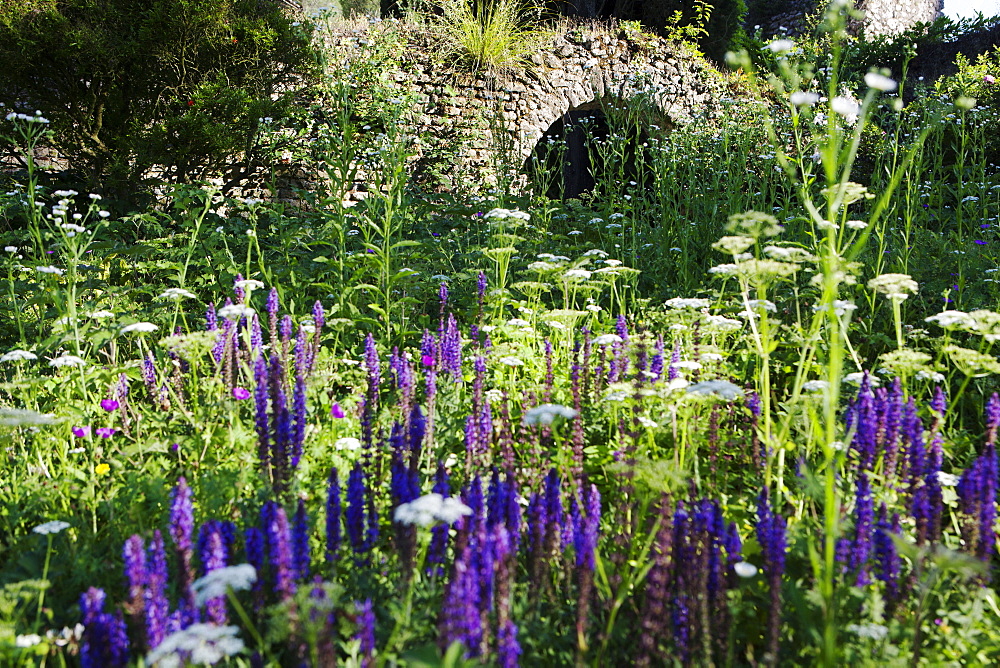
[(214, 554), (771, 536), (366, 632), (992, 418), (182, 531), (333, 516), (279, 548), (864, 517), (157, 605), (134, 555), (104, 643), (300, 543)]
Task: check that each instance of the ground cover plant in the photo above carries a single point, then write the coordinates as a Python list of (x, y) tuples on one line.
[(740, 409)]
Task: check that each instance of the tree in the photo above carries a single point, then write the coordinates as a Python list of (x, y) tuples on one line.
[(133, 85)]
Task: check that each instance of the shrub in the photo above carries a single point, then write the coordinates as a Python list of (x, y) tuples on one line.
[(132, 85), (713, 24)]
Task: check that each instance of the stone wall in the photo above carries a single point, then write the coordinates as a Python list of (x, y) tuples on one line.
[(472, 118), (882, 17)]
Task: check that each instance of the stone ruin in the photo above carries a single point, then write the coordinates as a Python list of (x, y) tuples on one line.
[(469, 118), (881, 17)]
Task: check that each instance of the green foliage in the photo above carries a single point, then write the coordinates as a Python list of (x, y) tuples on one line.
[(130, 86), (715, 25), (488, 37)]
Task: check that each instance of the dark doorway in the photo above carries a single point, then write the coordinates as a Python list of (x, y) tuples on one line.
[(569, 160), (561, 164)]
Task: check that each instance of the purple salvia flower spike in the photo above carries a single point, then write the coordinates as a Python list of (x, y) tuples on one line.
[(354, 514), (238, 290), (254, 545), (214, 555), (864, 518), (104, 643), (279, 548), (157, 605), (333, 517), (365, 633), (211, 319), (992, 418), (182, 532), (300, 543), (134, 556)]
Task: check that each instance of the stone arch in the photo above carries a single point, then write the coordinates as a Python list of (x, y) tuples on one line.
[(457, 113), (593, 68)]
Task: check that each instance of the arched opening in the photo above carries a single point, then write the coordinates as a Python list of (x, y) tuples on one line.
[(587, 150)]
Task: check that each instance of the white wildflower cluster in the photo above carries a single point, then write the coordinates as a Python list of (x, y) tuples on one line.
[(846, 107), (49, 528), (546, 414), (48, 269), (17, 355), (718, 388), (347, 443), (139, 328), (894, 286), (198, 644), (781, 46), (431, 509), (501, 214), (880, 82), (215, 583), (606, 339), (176, 294), (815, 385), (67, 360), (803, 99), (577, 274), (982, 322), (37, 118), (858, 376), (721, 323), (23, 417), (248, 284), (235, 312)]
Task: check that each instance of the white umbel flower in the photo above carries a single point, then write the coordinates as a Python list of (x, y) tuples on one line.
[(215, 583), (235, 312), (880, 82), (18, 356), (546, 414), (198, 644), (430, 509), (139, 328), (67, 360), (49, 528)]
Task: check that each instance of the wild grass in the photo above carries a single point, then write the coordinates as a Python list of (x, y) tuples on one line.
[(489, 37)]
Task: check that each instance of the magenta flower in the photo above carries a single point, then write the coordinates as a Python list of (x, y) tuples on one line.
[(987, 78), (109, 405), (427, 360), (336, 411), (241, 393), (106, 432), (81, 432)]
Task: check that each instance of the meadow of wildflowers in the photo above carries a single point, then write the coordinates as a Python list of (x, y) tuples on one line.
[(742, 410)]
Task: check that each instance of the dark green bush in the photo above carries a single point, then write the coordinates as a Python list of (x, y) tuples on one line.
[(724, 24), (133, 85)]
